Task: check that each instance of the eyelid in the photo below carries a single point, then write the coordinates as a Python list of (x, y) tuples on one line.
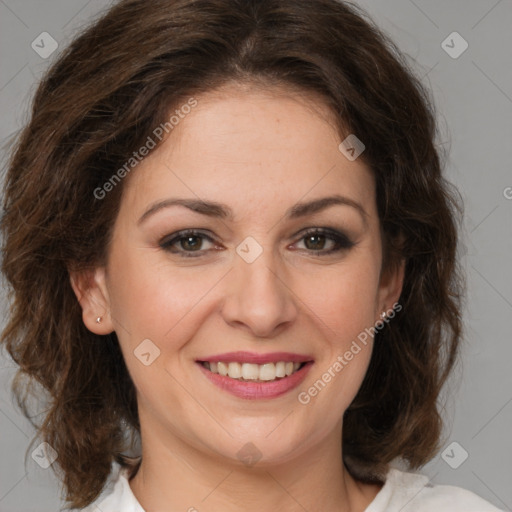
[(171, 239), (342, 241)]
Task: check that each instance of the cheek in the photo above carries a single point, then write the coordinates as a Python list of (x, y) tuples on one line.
[(341, 306), (154, 301), (148, 296), (343, 298), (342, 310)]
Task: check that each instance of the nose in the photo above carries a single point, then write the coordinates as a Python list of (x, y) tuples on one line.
[(258, 298)]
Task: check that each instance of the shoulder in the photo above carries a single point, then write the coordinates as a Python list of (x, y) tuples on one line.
[(412, 492), (116, 496)]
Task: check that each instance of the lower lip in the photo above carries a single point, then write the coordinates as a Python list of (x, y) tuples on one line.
[(255, 390)]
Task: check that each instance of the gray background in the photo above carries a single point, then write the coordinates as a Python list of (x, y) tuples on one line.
[(474, 96)]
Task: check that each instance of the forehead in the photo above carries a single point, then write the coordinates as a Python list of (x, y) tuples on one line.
[(251, 146)]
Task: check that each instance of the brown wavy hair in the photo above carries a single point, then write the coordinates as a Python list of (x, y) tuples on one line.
[(98, 103)]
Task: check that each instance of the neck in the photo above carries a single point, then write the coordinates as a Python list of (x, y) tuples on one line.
[(174, 475)]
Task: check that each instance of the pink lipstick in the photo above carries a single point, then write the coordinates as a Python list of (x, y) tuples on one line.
[(271, 386)]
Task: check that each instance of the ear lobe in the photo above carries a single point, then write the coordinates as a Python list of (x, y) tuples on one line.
[(390, 287), (91, 291)]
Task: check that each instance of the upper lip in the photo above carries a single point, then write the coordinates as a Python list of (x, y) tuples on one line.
[(255, 358)]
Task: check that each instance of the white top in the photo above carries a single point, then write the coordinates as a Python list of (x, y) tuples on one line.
[(402, 492)]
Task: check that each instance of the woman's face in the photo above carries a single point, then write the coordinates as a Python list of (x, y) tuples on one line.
[(262, 273)]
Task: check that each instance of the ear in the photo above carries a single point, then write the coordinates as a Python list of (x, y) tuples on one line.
[(92, 294), (390, 288)]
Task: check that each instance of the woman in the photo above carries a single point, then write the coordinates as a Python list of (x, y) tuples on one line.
[(228, 237)]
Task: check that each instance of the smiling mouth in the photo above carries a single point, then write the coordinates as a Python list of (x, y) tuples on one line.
[(250, 372)]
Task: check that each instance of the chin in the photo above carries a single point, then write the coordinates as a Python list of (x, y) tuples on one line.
[(261, 451)]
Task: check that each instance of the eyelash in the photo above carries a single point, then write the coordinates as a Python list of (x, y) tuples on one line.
[(342, 242)]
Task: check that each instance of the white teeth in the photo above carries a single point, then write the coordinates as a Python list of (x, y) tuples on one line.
[(280, 369), (222, 368), (235, 370), (267, 371), (251, 371)]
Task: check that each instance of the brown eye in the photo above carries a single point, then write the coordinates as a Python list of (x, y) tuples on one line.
[(186, 242), (192, 243), (315, 242), (326, 241)]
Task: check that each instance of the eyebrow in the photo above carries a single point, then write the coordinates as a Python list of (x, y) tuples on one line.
[(214, 209)]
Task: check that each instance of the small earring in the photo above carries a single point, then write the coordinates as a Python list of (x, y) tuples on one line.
[(98, 320), (383, 315)]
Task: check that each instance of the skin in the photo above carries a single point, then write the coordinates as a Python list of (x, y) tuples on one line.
[(259, 152)]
